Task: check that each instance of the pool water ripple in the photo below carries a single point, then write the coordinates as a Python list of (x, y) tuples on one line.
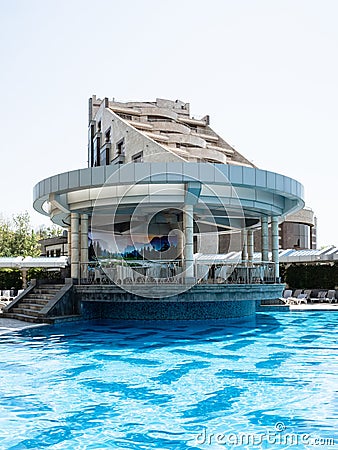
[(169, 385)]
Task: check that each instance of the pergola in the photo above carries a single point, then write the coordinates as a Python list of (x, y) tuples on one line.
[(23, 264)]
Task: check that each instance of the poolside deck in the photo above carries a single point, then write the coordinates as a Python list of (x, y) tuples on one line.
[(9, 325), (314, 307), (302, 307)]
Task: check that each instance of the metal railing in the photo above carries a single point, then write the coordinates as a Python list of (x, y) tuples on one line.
[(121, 272)]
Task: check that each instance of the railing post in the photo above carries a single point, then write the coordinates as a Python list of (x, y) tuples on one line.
[(75, 252), (188, 222), (244, 238), (84, 246), (265, 238), (275, 246)]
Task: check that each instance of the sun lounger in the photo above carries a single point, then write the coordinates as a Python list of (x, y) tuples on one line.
[(297, 293), (286, 294), (331, 296), (301, 298), (321, 297), (308, 293)]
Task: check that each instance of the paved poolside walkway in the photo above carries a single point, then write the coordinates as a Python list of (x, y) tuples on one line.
[(8, 325), (315, 307)]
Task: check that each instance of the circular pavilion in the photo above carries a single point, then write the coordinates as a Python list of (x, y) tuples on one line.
[(161, 187)]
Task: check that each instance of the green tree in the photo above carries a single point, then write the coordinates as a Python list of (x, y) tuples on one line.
[(45, 232), (17, 237), (6, 238)]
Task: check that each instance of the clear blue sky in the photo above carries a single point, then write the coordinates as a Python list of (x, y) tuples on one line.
[(266, 72)]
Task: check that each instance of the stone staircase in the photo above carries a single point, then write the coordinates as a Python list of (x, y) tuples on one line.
[(29, 307)]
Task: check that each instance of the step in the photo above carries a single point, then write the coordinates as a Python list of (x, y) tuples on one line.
[(71, 318), (39, 297), (56, 287), (34, 301), (28, 305), (44, 292), (26, 311), (23, 317), (49, 286)]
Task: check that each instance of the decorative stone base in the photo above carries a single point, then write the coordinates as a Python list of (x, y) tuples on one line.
[(200, 302)]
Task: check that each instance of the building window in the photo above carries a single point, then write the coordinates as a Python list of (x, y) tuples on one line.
[(120, 148), (138, 157), (107, 135), (97, 148), (99, 126), (91, 145), (104, 156)]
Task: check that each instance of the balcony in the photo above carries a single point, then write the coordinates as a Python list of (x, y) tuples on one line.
[(186, 139), (171, 127), (119, 159)]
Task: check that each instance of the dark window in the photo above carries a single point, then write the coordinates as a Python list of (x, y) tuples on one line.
[(120, 147), (58, 252), (91, 145), (99, 125), (107, 134), (97, 148), (105, 155), (138, 158)]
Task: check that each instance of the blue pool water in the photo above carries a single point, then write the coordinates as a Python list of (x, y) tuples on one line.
[(265, 382)]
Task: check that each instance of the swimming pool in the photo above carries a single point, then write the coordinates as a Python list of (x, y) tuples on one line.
[(172, 385)]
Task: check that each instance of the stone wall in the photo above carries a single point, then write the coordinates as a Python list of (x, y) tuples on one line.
[(200, 302)]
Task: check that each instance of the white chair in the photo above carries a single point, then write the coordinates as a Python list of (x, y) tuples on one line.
[(331, 296), (202, 272), (322, 296), (98, 276), (221, 274), (301, 298), (6, 295), (286, 294)]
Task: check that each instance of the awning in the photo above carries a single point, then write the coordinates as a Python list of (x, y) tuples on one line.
[(29, 262)]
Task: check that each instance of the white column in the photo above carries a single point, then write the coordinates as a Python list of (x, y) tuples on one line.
[(75, 252), (265, 238), (84, 246), (275, 244), (188, 227), (250, 245), (180, 245), (244, 239)]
